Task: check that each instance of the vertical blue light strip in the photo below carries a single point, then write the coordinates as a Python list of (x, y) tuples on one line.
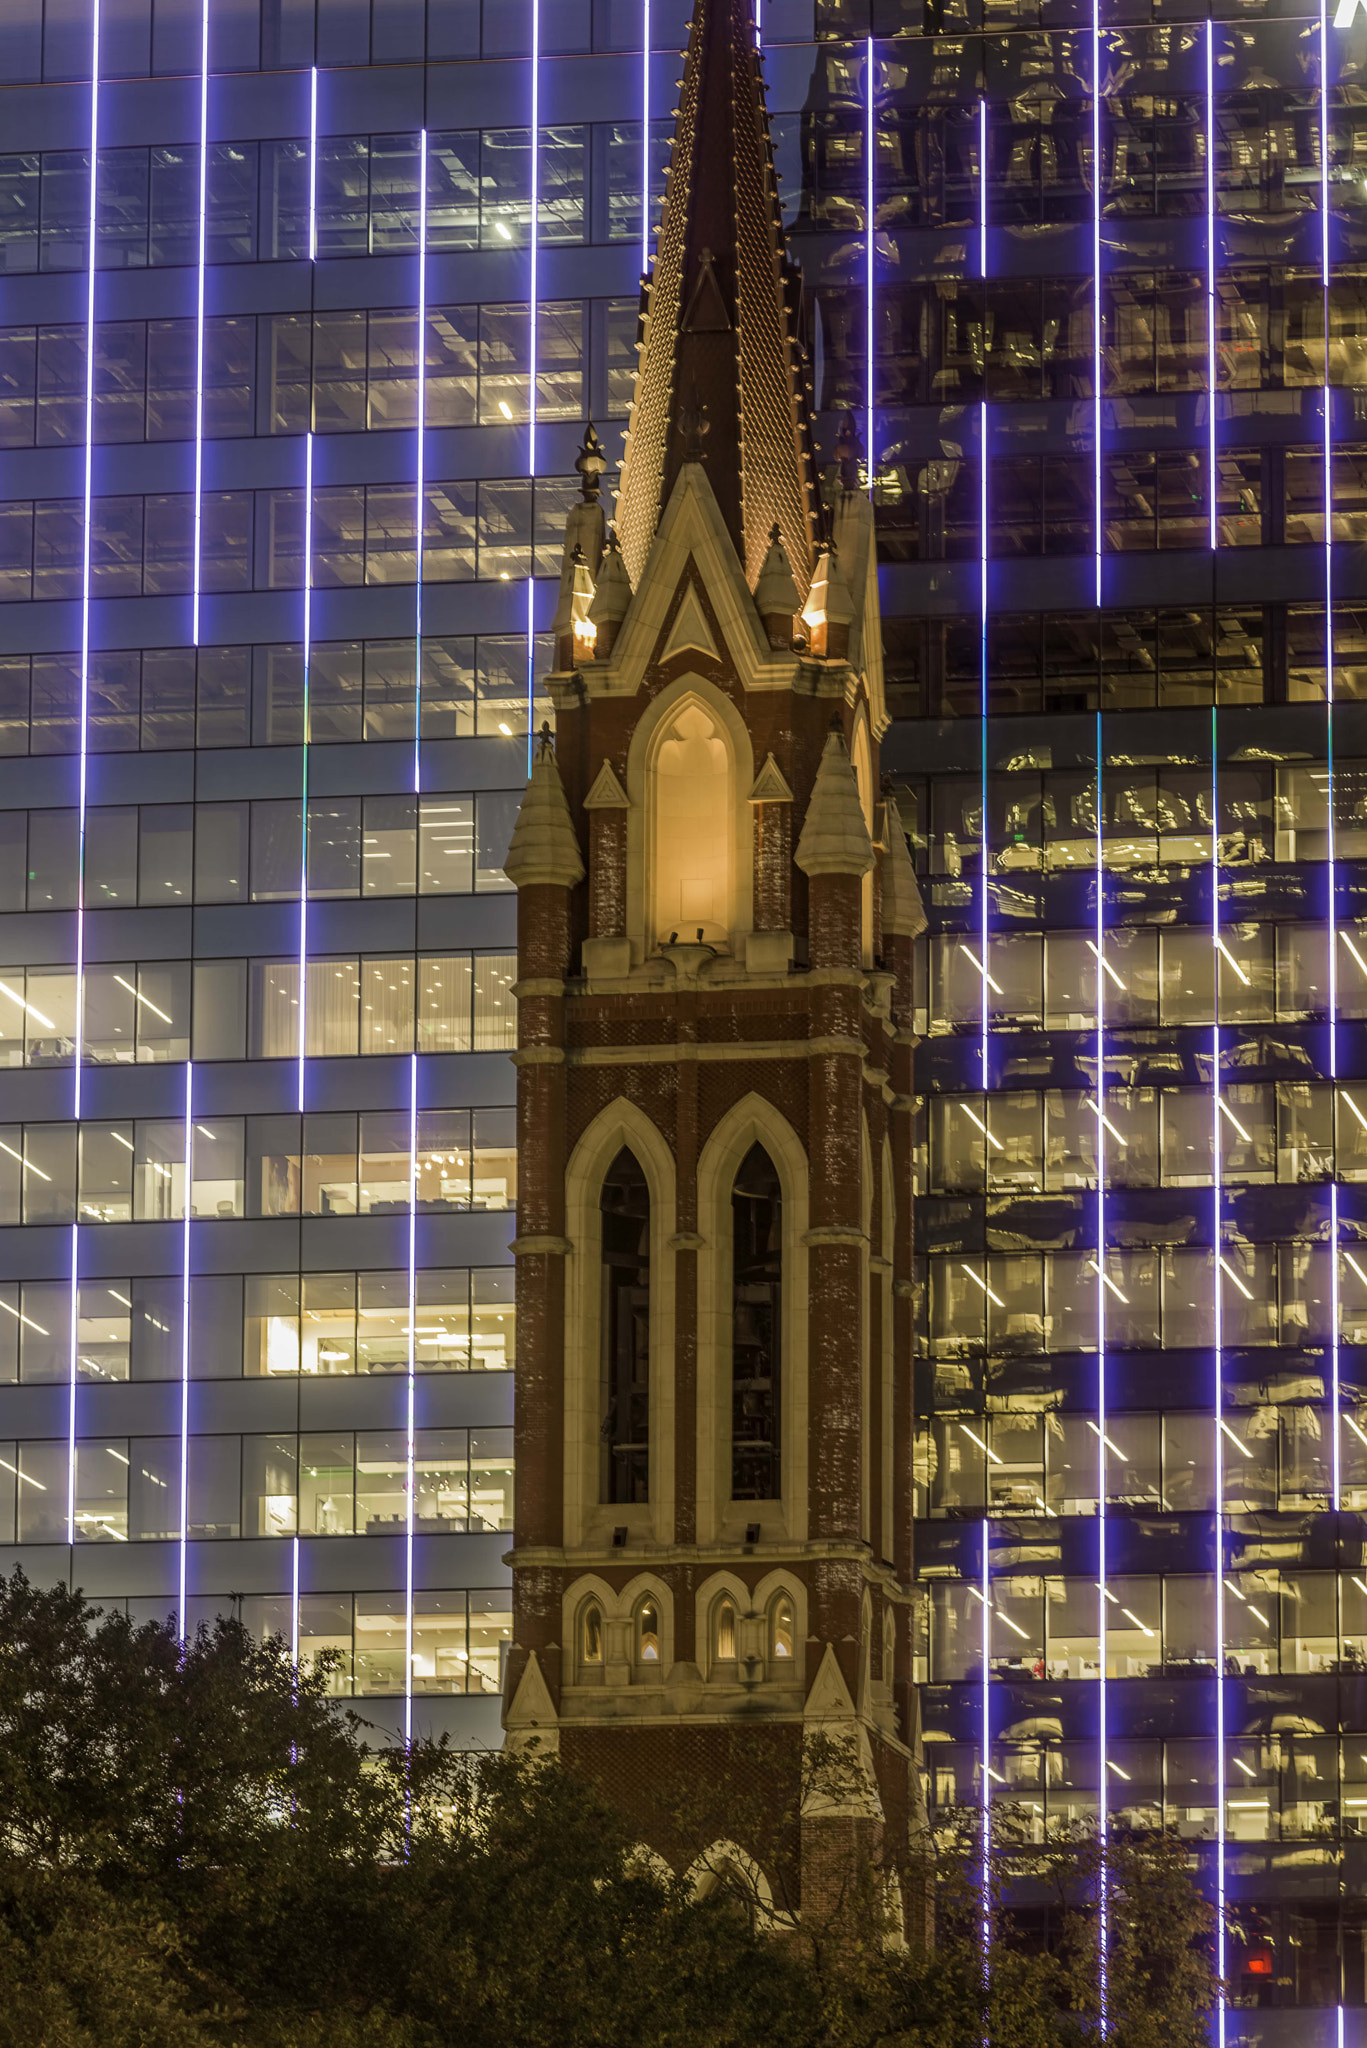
[(420, 513), (187, 1205), (410, 1426), (645, 137), (986, 1591), (78, 1040), (1336, 1385), (1220, 1424), (533, 287), (197, 582), (870, 140), (1217, 1209), (1212, 361), (199, 313), (308, 610), (199, 316), (1096, 333), (1099, 946)]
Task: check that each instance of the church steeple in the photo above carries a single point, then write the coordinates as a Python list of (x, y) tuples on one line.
[(718, 321)]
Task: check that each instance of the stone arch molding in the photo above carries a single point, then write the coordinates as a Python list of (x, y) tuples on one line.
[(724, 1861), (588, 1520), (619, 1605), (751, 1121), (657, 827), (752, 1607)]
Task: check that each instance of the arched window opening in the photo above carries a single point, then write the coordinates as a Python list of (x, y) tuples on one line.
[(693, 828), (648, 1633), (591, 1636), (724, 1632), (756, 1328), (624, 1475), (781, 1629)]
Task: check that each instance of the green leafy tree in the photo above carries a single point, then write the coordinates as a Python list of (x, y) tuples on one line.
[(199, 1848)]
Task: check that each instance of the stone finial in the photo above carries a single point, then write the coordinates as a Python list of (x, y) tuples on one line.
[(830, 608), (904, 913), (611, 597), (777, 599), (545, 846), (835, 839), (591, 464)]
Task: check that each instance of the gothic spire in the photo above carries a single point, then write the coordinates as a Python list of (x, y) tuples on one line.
[(718, 320)]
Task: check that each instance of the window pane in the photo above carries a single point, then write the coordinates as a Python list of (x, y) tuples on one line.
[(387, 1007), (444, 998), (495, 1025)]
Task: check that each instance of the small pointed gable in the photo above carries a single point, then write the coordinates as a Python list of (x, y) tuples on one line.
[(771, 785), (544, 846), (690, 632), (835, 840), (607, 793), (530, 1717), (904, 914)]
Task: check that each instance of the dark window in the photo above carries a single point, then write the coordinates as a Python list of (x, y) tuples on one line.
[(756, 1328), (625, 1469)]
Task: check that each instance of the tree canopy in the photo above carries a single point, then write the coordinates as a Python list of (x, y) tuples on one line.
[(200, 1848)]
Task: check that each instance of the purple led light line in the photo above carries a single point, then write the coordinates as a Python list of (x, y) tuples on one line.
[(1217, 1178), (187, 1147), (1103, 1748), (986, 1589), (410, 1438), (79, 1034), (1096, 350), (1335, 1381), (199, 315), (1211, 360), (535, 237), (871, 65), (645, 136), (308, 614)]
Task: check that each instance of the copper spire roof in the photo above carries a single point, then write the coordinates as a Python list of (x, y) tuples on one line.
[(720, 376)]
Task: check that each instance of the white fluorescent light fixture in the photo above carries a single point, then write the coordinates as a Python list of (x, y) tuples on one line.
[(968, 950), (1093, 948), (146, 1001), (1106, 1281), (1226, 1268), (1234, 963), (979, 1441), (982, 1127), (27, 1008), (1227, 1111), (979, 1282)]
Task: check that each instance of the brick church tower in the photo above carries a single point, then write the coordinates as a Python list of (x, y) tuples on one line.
[(716, 913)]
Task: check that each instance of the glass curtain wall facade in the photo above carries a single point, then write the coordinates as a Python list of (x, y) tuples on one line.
[(1113, 258)]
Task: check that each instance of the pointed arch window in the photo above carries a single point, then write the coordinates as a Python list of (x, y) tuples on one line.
[(724, 1631), (648, 1632), (756, 1328), (625, 1371), (692, 854), (590, 1643), (781, 1628)]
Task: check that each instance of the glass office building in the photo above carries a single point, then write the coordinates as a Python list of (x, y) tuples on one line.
[(1119, 313), (1093, 280)]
